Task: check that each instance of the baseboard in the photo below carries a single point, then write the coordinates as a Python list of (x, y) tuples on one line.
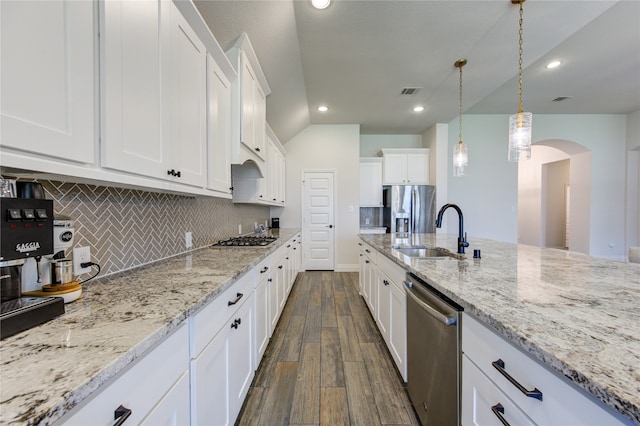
[(347, 268)]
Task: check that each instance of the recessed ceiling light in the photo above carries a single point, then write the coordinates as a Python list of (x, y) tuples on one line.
[(553, 64), (320, 4), (418, 108), (323, 108)]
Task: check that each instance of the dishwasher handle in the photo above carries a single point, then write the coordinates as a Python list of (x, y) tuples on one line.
[(428, 309)]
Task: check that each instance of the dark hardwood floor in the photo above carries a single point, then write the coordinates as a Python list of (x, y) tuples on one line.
[(327, 364)]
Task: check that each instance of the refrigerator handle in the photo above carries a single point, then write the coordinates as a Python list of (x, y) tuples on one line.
[(414, 211)]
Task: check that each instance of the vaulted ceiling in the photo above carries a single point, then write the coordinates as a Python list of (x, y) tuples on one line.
[(357, 56)]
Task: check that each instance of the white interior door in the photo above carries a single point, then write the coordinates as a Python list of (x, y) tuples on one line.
[(318, 220)]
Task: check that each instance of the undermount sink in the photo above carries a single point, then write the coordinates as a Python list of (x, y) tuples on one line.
[(424, 252)]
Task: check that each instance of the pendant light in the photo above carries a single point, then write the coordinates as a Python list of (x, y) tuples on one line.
[(460, 154), (520, 123)]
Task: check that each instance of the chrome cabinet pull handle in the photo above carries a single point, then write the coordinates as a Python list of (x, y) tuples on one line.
[(535, 393), (236, 300), (120, 415), (498, 410)]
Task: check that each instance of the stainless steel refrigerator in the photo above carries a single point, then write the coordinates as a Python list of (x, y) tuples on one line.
[(409, 208)]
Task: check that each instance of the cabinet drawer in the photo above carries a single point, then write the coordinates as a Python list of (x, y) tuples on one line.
[(141, 387), (206, 323), (562, 402), (262, 270), (480, 396), (391, 269), (368, 251)]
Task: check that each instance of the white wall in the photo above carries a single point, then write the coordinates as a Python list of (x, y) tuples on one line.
[(370, 145), (328, 147), (633, 179), (436, 139), (488, 195), (530, 210)]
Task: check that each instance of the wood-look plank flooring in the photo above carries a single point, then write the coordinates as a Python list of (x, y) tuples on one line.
[(326, 363)]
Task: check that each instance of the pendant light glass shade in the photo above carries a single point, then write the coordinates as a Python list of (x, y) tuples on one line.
[(460, 159), (520, 136)]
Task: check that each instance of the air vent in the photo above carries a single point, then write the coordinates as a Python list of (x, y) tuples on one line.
[(410, 90), (561, 98)]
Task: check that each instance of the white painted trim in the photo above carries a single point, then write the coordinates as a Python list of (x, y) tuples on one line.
[(302, 222), (347, 267)]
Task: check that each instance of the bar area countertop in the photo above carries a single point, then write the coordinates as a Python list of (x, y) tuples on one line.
[(49, 369), (577, 314)]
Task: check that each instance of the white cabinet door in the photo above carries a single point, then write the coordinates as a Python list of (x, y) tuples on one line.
[(406, 166), (184, 72), (483, 403), (132, 91), (174, 408), (209, 382), (262, 325), (154, 92), (260, 121), (274, 312), (241, 369), (394, 169), (248, 104), (371, 183), (397, 342), (273, 171), (47, 103), (282, 178), (383, 286), (418, 169), (218, 128)]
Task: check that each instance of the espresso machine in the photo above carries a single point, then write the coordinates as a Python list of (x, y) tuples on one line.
[(26, 231)]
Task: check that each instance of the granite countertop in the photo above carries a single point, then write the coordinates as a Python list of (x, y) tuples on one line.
[(577, 314), (49, 369)]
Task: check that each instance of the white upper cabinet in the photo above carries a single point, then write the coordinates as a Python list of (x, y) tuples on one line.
[(48, 99), (154, 92), (406, 166), (187, 101), (219, 129), (249, 107), (371, 182)]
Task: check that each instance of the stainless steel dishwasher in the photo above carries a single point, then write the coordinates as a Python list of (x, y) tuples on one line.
[(433, 353)]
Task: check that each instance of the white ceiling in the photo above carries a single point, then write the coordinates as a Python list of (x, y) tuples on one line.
[(357, 56)]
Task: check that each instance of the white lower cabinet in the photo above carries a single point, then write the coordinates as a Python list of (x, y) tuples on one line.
[(484, 403), (381, 286), (222, 371), (153, 388), (172, 409), (397, 341), (262, 323), (559, 402)]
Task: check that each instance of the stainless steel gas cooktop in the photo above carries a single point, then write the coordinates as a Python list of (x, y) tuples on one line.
[(246, 241)]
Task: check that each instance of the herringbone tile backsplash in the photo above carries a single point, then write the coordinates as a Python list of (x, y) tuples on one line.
[(127, 228)]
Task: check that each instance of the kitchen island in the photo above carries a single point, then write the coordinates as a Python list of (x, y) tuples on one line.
[(50, 369), (576, 314)]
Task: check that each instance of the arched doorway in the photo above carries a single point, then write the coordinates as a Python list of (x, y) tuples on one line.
[(554, 196)]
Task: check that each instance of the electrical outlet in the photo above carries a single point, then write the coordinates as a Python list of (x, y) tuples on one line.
[(188, 240), (240, 229), (81, 255)]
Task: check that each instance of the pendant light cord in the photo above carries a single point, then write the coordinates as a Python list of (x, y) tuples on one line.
[(519, 62)]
